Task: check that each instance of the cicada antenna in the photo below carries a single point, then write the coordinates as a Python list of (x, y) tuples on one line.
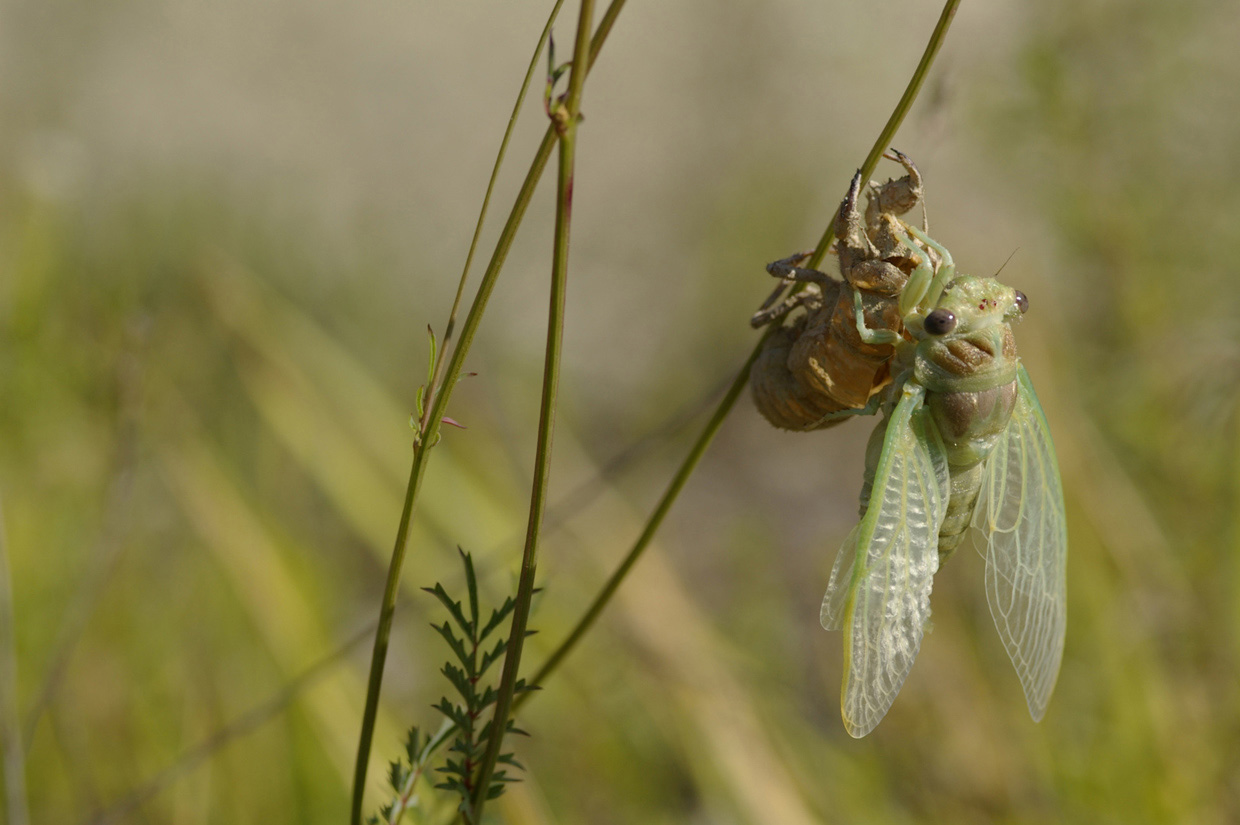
[(1005, 263)]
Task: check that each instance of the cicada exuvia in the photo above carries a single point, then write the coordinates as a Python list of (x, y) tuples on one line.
[(818, 370)]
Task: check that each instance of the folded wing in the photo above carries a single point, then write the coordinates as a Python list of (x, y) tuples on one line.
[(1020, 512), (879, 592)]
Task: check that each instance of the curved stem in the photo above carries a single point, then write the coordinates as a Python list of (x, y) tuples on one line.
[(897, 117)]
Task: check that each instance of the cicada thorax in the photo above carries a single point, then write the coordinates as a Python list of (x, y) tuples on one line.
[(818, 366), (971, 392)]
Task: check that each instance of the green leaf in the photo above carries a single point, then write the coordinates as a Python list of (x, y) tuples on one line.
[(412, 747), (454, 785), (487, 698), (458, 716), (458, 645), (397, 775), (453, 607), (497, 616), (462, 683), (489, 658), (509, 759), (471, 583), (430, 361), (452, 766)]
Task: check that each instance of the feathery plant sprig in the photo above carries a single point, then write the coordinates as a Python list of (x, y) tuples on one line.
[(403, 775), (474, 657), (473, 653)]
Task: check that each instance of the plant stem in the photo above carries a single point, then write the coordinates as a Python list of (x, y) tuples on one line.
[(565, 118), (429, 433), (738, 384), (482, 213), (897, 117)]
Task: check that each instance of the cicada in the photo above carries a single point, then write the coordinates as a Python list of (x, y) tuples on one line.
[(963, 440), (818, 370)]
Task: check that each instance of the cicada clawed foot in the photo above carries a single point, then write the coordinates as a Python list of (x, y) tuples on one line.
[(852, 241), (898, 195), (788, 271)]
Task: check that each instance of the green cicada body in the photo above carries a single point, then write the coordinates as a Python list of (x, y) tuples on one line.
[(963, 441)]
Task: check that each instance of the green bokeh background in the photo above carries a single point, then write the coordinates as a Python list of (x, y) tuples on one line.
[(225, 227)]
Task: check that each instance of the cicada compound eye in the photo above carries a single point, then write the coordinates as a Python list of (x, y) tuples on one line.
[(939, 322), (1022, 302)]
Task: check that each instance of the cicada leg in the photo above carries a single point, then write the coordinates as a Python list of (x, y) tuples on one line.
[(925, 285), (788, 272), (946, 271), (853, 243), (897, 195), (871, 336), (773, 309), (871, 408)]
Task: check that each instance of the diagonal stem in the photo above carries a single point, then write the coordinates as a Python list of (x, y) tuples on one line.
[(437, 368)]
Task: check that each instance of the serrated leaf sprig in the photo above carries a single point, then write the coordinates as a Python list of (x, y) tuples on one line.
[(403, 774), (468, 637)]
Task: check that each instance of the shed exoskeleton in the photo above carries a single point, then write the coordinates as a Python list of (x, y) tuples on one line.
[(818, 370)]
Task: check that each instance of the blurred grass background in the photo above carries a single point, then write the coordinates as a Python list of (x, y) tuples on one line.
[(225, 227)]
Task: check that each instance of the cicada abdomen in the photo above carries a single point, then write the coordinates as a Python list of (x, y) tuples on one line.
[(970, 421), (813, 371)]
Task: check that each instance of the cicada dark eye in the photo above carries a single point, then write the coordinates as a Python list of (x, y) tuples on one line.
[(940, 322), (1022, 303)]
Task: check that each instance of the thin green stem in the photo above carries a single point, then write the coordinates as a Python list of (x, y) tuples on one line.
[(897, 117), (430, 431), (738, 384), (482, 213), (565, 118)]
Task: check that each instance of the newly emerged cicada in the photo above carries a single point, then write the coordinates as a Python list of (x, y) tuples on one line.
[(963, 440), (818, 370)]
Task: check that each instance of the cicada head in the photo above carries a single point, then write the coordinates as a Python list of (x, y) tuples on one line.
[(969, 330)]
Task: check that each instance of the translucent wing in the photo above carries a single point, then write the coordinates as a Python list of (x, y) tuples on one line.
[(880, 588), (1020, 512), (840, 584)]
